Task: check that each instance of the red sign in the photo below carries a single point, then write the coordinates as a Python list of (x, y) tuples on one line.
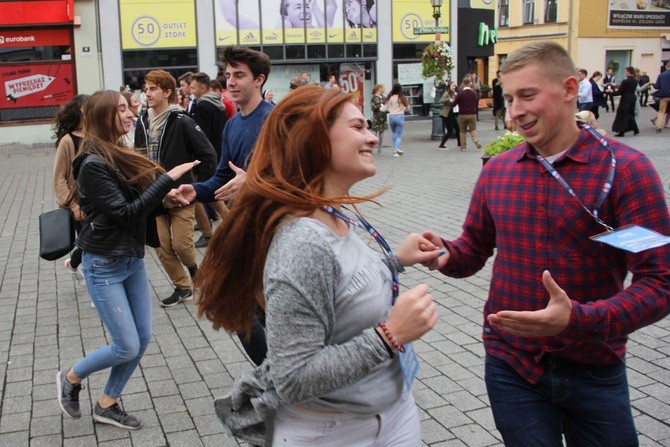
[(12, 38), (36, 85), (37, 12), (351, 82)]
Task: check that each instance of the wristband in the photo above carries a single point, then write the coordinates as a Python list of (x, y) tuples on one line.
[(394, 342), (386, 345)]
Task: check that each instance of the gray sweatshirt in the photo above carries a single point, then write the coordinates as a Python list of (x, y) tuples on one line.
[(324, 295)]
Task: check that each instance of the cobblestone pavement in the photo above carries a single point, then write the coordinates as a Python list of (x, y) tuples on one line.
[(46, 321)]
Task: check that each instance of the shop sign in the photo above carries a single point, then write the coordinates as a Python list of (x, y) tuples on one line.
[(149, 24), (11, 38), (37, 12), (639, 14), (486, 36), (409, 16), (36, 85), (431, 30)]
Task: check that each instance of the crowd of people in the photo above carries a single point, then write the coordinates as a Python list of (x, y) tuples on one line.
[(291, 267)]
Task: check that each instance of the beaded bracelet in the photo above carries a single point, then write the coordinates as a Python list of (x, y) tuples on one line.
[(397, 346)]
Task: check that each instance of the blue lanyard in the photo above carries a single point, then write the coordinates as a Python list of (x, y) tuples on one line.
[(606, 187), (365, 225)]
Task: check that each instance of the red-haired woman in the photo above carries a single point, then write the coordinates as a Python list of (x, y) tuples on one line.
[(288, 249)]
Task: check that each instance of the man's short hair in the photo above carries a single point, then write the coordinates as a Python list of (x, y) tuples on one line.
[(554, 59), (215, 86), (467, 81), (583, 71), (164, 80), (258, 63), (201, 78), (186, 77)]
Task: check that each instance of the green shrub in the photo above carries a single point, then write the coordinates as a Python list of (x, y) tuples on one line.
[(503, 142)]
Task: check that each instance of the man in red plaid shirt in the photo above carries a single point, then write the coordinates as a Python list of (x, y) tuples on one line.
[(557, 317)]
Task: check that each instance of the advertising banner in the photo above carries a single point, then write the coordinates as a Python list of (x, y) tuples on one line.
[(351, 82), (234, 15), (360, 20), (413, 21), (271, 18), (334, 21), (150, 24), (36, 85), (638, 14)]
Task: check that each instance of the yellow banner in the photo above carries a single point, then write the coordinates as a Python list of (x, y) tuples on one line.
[(483, 4), (353, 35), (409, 16), (157, 24), (370, 35)]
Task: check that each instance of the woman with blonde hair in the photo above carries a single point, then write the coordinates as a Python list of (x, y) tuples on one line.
[(118, 190), (379, 118), (288, 250)]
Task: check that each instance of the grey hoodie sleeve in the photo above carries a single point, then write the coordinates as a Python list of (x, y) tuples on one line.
[(300, 282)]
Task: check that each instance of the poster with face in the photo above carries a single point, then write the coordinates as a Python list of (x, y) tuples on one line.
[(360, 18)]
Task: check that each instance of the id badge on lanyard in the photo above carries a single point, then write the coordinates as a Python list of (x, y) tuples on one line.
[(632, 238)]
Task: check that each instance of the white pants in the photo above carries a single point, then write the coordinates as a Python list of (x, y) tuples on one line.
[(398, 426)]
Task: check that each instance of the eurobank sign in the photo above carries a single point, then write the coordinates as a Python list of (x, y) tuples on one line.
[(486, 35)]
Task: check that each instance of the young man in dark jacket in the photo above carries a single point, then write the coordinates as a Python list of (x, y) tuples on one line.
[(211, 117), (172, 138)]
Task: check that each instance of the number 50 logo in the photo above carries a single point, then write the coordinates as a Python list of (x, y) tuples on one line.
[(408, 23), (146, 31)]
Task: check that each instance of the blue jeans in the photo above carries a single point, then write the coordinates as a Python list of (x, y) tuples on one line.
[(588, 404), (119, 288), (397, 124)]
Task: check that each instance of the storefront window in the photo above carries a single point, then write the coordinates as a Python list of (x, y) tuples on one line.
[(36, 72), (136, 63)]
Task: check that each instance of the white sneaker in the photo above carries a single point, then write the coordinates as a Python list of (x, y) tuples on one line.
[(395, 154), (76, 274)]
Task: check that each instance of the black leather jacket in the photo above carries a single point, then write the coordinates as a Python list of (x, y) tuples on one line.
[(116, 213)]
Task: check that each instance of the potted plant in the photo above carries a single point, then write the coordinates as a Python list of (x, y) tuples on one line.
[(501, 144)]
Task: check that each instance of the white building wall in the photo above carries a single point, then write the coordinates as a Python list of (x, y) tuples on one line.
[(591, 53)]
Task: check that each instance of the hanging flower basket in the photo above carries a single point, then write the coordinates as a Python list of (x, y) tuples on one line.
[(436, 60)]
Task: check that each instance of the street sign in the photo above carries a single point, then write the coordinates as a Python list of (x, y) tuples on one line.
[(430, 30)]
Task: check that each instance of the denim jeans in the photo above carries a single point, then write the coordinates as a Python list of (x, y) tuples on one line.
[(588, 404), (397, 124), (119, 288)]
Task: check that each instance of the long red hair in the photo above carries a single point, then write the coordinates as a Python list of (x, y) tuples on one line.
[(285, 177)]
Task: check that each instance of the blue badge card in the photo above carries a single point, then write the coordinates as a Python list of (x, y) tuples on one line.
[(409, 363), (632, 238)]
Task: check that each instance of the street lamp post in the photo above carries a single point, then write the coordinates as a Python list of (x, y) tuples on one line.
[(437, 107)]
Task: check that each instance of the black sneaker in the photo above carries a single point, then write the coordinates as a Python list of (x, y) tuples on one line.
[(115, 415), (177, 297), (68, 395), (202, 242)]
